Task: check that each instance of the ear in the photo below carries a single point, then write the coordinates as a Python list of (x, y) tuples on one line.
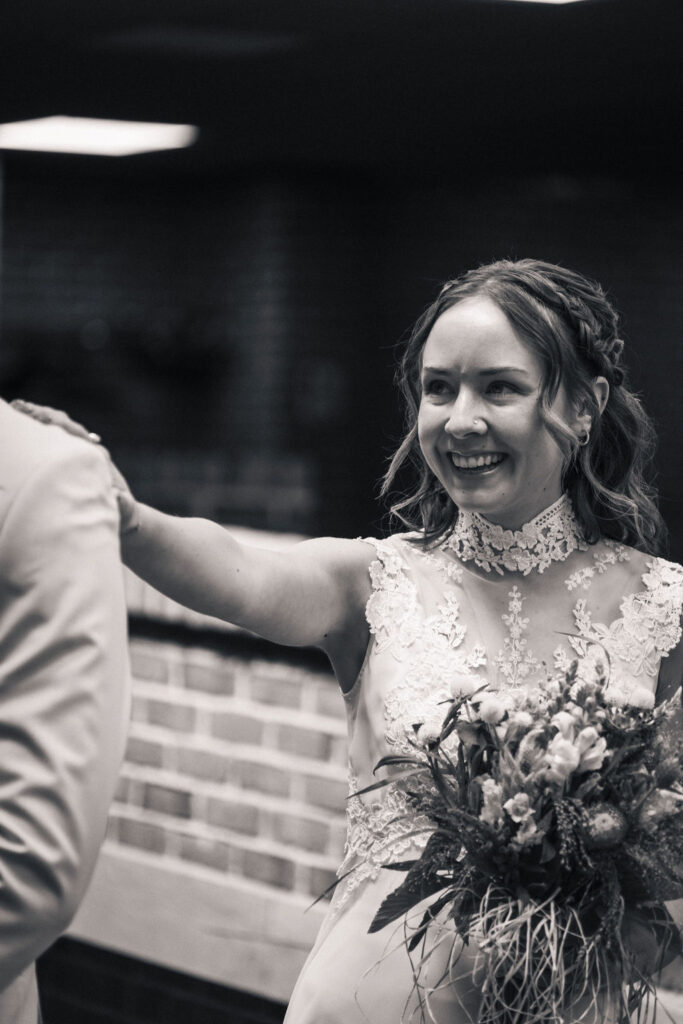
[(584, 420), (600, 387)]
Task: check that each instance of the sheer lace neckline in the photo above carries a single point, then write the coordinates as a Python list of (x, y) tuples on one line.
[(550, 537)]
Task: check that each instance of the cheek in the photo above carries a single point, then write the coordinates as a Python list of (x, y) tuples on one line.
[(427, 433), (528, 432), (425, 424)]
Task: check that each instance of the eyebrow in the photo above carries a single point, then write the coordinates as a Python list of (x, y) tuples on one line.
[(488, 372)]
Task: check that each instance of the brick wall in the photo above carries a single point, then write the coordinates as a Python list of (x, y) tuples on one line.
[(229, 815), (236, 763)]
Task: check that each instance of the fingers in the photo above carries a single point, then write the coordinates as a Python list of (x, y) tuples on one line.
[(128, 507), (55, 417)]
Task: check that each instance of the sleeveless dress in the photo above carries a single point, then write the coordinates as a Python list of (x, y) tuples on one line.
[(503, 607)]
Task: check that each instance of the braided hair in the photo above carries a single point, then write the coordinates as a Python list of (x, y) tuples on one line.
[(569, 323)]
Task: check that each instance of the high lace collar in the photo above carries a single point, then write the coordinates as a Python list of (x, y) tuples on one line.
[(550, 537)]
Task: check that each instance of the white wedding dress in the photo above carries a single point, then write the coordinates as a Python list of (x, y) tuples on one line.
[(503, 607)]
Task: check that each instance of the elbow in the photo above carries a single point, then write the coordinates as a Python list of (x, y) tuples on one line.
[(61, 906), (51, 897), (37, 904)]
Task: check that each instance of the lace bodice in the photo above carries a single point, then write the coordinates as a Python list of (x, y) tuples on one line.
[(440, 621)]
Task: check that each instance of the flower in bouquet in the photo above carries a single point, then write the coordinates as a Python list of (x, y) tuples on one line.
[(555, 830)]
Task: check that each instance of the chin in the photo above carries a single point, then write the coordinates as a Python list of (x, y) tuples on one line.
[(485, 505), (504, 514)]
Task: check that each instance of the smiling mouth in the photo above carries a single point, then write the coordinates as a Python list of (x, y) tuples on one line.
[(476, 463)]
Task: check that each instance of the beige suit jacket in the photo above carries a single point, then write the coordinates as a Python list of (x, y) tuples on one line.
[(64, 687)]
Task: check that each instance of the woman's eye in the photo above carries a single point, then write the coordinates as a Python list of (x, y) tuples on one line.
[(436, 387), (501, 387)]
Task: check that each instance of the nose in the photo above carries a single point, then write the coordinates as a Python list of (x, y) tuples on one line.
[(463, 418)]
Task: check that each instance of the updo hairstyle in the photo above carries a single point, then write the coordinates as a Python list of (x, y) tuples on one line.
[(569, 323)]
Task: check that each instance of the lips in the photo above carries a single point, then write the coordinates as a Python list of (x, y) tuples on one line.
[(484, 460)]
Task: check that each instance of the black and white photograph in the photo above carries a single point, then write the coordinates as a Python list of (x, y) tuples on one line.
[(341, 514)]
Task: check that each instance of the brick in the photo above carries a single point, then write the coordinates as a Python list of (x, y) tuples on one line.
[(138, 711), (219, 680), (337, 839), (143, 834), (167, 800), (339, 752), (179, 717), (230, 814), (209, 852), (113, 827), (306, 833), (276, 690), (320, 880), (304, 742), (328, 700), (236, 728), (136, 792), (141, 751), (204, 764), (266, 867), (264, 777), (148, 666), (329, 793), (121, 792)]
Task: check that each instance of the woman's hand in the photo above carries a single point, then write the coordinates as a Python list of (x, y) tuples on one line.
[(45, 414), (128, 508)]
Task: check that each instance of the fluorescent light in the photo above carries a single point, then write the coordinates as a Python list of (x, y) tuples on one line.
[(95, 136), (546, 1)]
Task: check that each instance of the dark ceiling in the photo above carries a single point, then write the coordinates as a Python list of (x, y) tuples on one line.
[(406, 87)]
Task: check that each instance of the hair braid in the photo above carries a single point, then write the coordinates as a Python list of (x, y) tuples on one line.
[(596, 327)]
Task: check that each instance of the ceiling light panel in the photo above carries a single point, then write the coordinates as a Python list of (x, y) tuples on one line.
[(94, 136)]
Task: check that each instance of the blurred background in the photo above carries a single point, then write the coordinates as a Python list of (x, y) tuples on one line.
[(226, 316)]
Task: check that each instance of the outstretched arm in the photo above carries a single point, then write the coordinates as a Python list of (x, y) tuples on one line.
[(63, 694), (308, 595)]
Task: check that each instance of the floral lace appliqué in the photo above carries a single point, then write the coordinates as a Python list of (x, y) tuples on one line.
[(431, 646), (515, 662), (392, 611), (551, 537), (379, 831), (648, 629), (583, 578)]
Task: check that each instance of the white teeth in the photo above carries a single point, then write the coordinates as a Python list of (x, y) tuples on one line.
[(475, 461)]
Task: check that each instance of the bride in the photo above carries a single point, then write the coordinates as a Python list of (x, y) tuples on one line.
[(531, 538)]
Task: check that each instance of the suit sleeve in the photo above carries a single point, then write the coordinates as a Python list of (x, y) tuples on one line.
[(64, 692)]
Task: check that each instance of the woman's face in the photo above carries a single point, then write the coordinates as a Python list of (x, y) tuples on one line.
[(479, 421)]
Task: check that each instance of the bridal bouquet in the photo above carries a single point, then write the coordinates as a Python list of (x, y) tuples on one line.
[(555, 835)]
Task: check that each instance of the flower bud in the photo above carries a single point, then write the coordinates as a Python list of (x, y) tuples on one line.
[(491, 710), (462, 685), (660, 804), (428, 733), (606, 826)]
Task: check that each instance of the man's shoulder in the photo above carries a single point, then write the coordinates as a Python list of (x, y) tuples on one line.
[(27, 447)]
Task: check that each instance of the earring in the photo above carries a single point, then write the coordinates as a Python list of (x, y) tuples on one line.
[(584, 439)]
